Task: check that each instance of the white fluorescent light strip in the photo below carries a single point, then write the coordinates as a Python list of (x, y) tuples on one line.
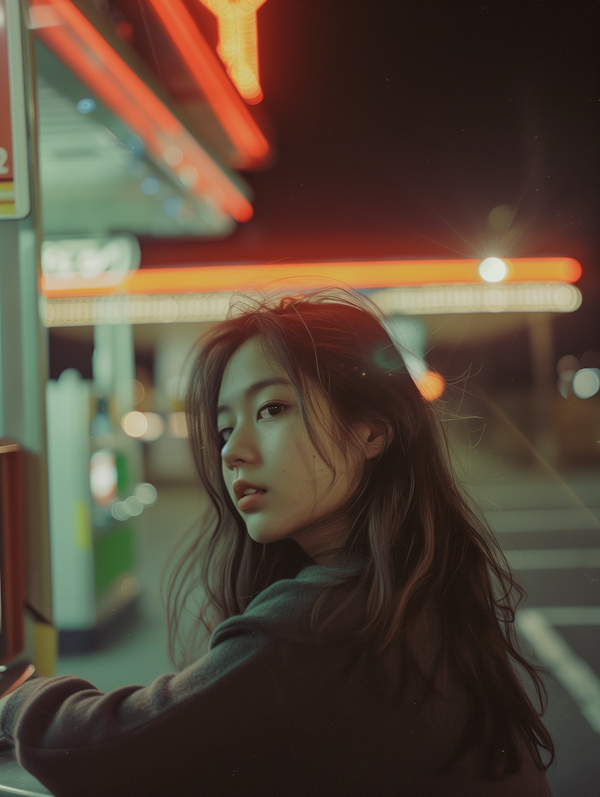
[(158, 309), (544, 297), (524, 297), (574, 674)]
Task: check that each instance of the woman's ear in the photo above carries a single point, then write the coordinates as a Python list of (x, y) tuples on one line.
[(375, 437)]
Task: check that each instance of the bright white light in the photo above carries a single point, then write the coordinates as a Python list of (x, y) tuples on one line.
[(135, 424), (103, 476), (586, 382), (146, 493), (493, 269)]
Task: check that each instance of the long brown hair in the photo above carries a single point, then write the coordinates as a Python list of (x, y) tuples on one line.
[(429, 557)]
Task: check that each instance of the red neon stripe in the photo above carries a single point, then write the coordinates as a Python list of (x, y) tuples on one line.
[(204, 66), (84, 50), (357, 274), (106, 60)]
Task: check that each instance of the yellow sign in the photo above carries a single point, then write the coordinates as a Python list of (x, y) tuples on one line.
[(238, 45)]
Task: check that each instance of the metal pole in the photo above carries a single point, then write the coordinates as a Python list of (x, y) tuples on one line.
[(23, 376), (540, 338)]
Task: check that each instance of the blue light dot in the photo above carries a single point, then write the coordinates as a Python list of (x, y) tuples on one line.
[(172, 207), (150, 186), (86, 105)]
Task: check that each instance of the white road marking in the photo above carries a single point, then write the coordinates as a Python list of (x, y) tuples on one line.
[(562, 519), (553, 559), (572, 615), (577, 677)]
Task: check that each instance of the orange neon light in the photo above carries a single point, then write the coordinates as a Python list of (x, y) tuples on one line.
[(240, 127), (238, 43), (357, 274), (431, 385), (85, 51)]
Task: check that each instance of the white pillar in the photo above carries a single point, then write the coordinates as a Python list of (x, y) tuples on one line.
[(114, 365), (68, 401)]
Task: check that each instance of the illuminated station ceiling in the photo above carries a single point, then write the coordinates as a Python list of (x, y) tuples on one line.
[(124, 151), (147, 140)]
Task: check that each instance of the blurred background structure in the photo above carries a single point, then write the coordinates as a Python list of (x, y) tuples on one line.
[(441, 158)]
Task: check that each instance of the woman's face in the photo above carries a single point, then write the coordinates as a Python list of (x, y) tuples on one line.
[(266, 444)]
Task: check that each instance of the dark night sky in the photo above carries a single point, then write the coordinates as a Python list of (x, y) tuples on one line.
[(399, 126)]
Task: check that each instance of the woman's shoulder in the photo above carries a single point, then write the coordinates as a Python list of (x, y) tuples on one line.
[(283, 604)]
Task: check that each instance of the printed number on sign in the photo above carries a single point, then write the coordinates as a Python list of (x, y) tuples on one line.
[(3, 159)]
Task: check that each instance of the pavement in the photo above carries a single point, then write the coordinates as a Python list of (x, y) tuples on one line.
[(548, 525)]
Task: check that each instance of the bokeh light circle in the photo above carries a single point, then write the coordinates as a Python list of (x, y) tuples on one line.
[(146, 493), (431, 385), (134, 424), (118, 511), (586, 382), (493, 269), (133, 506), (156, 427), (85, 106)]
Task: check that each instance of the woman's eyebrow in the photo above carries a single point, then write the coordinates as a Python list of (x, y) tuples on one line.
[(256, 388)]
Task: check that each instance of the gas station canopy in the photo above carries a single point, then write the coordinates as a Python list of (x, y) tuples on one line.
[(118, 150)]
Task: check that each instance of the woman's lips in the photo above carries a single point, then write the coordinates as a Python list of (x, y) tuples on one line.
[(250, 501)]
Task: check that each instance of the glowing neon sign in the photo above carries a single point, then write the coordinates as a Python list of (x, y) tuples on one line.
[(238, 43)]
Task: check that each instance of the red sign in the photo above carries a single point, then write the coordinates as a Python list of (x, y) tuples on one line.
[(14, 177), (6, 170)]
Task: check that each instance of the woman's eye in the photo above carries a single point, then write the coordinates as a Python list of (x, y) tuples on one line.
[(270, 407), (273, 407)]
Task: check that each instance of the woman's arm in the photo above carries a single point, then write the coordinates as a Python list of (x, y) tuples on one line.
[(5, 741), (212, 723), (13, 676)]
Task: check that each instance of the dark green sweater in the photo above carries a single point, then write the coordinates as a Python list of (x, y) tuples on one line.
[(255, 716)]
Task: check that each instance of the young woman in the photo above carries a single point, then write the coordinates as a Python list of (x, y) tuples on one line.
[(361, 614)]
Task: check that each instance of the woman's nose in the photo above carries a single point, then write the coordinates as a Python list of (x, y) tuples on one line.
[(238, 448)]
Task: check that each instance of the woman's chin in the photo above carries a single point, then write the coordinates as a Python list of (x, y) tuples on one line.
[(264, 535)]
